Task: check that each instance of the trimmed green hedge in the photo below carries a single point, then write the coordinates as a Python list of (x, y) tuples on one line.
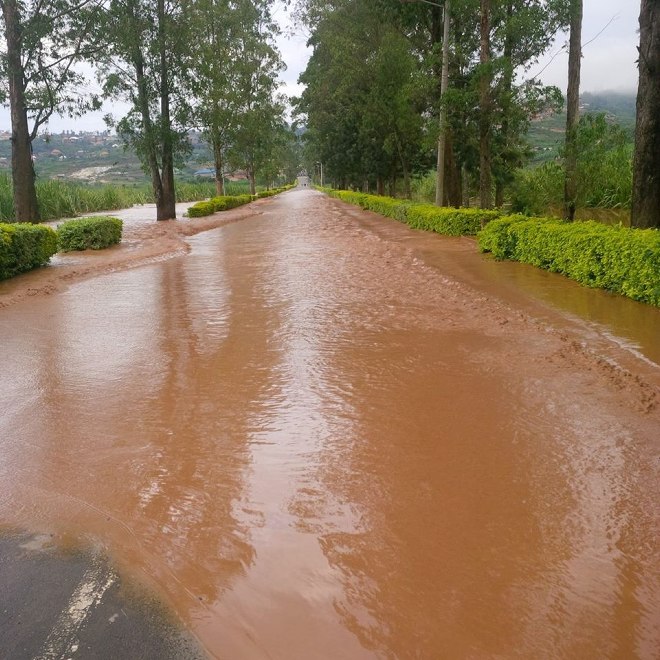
[(499, 240), (449, 221), (442, 220), (201, 209), (626, 261), (24, 246), (93, 233), (273, 191), (226, 202)]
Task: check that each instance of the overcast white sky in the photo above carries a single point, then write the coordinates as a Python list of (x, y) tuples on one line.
[(608, 63)]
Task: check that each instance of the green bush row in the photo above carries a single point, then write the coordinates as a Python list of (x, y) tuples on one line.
[(442, 220), (226, 202), (220, 203), (626, 261), (201, 209), (93, 233), (273, 191), (25, 246)]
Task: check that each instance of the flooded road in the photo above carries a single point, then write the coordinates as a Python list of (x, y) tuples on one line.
[(322, 435)]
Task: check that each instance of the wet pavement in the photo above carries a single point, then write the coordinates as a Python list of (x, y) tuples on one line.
[(320, 434), (63, 604)]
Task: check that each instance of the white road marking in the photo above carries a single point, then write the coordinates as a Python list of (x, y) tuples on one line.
[(62, 642)]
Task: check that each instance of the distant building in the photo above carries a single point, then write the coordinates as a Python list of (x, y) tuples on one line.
[(205, 173)]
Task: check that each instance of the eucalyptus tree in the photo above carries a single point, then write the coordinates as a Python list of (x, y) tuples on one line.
[(572, 109), (146, 63), (485, 110), (257, 109), (492, 44), (215, 109), (523, 31), (362, 98), (44, 41), (646, 164), (234, 79)]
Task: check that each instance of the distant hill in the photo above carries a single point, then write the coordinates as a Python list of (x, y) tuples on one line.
[(95, 157), (546, 133)]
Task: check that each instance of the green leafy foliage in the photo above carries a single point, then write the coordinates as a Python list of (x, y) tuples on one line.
[(201, 209), (604, 172), (626, 261), (272, 191), (235, 61), (371, 102), (94, 233), (447, 221), (226, 202), (25, 246)]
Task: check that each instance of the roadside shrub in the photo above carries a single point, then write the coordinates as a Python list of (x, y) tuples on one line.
[(626, 261), (201, 209), (442, 220), (449, 221), (224, 203), (93, 233), (274, 191), (499, 240), (25, 246)]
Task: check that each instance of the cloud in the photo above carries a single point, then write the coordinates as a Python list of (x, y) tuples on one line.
[(610, 39)]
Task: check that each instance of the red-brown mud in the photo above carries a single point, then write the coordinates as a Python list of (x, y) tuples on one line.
[(319, 434)]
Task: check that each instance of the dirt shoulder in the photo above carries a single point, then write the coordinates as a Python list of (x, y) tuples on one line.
[(144, 240)]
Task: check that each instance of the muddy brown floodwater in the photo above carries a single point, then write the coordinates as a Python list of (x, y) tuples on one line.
[(319, 434)]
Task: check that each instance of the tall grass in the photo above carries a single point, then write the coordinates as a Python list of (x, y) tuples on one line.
[(423, 187), (605, 182), (60, 199)]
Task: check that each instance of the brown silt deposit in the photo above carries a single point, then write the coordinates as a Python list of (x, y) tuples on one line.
[(316, 433)]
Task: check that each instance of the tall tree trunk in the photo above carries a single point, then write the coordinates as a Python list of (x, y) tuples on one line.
[(507, 86), (150, 145), (572, 110), (380, 186), (219, 164), (405, 168), (646, 163), (137, 57), (465, 184), (485, 130), (22, 168), (166, 210), (453, 184), (253, 181), (499, 193)]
